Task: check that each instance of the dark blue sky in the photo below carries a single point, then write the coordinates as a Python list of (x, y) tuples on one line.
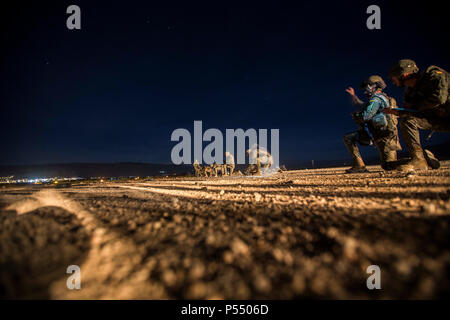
[(116, 89)]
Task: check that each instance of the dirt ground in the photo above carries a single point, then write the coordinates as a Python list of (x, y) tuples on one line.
[(297, 234)]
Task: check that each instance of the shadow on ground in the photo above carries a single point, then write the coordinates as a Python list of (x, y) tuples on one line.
[(36, 248)]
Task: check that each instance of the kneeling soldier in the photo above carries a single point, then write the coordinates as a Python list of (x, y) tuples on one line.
[(427, 96), (382, 127)]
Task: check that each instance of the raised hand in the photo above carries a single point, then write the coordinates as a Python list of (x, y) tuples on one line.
[(350, 91)]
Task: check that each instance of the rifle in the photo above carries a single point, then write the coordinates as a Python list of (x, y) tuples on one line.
[(365, 138), (401, 112)]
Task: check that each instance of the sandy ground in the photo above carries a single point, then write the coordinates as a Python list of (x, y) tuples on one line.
[(309, 233)]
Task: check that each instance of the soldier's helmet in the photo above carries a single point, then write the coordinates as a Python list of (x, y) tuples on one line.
[(403, 66), (374, 80)]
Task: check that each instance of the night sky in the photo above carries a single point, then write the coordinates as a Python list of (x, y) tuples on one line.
[(137, 70)]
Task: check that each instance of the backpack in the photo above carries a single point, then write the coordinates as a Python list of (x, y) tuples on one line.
[(436, 76), (379, 121)]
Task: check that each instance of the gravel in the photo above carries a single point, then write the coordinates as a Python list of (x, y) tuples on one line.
[(308, 233)]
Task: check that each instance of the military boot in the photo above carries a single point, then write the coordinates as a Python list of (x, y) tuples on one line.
[(358, 166), (432, 161), (389, 160), (258, 166), (417, 162)]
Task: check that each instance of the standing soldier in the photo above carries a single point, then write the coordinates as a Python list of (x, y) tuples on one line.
[(229, 163), (198, 169), (382, 127), (428, 99)]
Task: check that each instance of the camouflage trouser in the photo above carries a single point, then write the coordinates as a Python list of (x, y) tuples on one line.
[(351, 141), (409, 126), (198, 170), (387, 146), (229, 168)]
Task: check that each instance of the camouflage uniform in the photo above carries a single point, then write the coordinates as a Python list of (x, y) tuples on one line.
[(430, 96), (198, 169), (218, 168), (385, 136), (258, 157), (209, 171)]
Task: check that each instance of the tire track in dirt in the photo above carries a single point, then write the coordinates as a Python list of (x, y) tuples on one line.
[(141, 231), (295, 196), (109, 270), (194, 194), (293, 188)]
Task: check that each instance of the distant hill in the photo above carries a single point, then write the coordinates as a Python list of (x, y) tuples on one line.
[(127, 169), (86, 170)]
